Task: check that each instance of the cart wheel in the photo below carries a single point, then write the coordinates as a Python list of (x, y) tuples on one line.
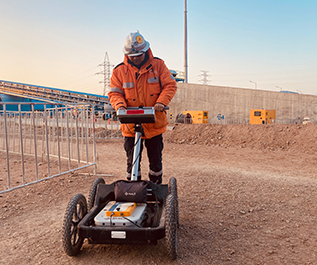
[(170, 227), (75, 212), (172, 189), (114, 116), (92, 192)]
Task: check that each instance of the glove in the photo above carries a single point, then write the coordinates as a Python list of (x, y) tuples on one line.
[(159, 107)]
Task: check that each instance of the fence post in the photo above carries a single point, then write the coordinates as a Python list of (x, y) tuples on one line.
[(77, 140), (47, 144), (14, 123), (43, 135), (35, 144), (67, 138), (86, 136), (21, 142), (83, 115), (7, 144), (93, 133), (58, 143)]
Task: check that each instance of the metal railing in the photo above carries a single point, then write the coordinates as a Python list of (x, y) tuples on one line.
[(39, 143)]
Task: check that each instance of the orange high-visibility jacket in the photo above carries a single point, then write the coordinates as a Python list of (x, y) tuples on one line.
[(133, 87)]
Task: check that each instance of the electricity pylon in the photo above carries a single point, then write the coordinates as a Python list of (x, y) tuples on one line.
[(106, 74)]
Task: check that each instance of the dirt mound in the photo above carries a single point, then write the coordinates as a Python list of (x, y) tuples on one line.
[(269, 137)]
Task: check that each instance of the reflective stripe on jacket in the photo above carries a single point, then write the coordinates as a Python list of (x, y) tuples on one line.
[(133, 87)]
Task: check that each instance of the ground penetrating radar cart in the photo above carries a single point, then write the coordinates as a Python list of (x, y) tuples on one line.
[(124, 212)]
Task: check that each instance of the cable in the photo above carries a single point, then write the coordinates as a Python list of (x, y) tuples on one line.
[(111, 218), (130, 220), (139, 155), (129, 130)]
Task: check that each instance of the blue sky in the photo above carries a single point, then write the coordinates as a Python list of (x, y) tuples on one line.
[(61, 43)]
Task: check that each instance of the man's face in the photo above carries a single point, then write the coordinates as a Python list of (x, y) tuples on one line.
[(137, 60)]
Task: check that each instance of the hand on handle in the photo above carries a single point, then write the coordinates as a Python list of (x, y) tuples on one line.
[(159, 107)]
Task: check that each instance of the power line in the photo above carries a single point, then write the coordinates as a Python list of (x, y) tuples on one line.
[(76, 74)]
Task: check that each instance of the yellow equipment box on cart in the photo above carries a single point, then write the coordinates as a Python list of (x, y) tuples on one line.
[(121, 214), (120, 208)]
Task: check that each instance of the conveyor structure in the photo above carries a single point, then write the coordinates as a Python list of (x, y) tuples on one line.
[(51, 95)]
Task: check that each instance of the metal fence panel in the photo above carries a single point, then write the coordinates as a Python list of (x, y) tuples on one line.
[(39, 145)]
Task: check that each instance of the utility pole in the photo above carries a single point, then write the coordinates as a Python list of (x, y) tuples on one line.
[(185, 43), (106, 74), (204, 77)]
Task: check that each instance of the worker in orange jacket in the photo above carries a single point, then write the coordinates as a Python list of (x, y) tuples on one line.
[(143, 80)]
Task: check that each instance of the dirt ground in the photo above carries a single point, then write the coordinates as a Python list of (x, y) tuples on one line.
[(246, 196)]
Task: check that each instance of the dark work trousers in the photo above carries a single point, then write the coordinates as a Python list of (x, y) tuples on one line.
[(154, 148)]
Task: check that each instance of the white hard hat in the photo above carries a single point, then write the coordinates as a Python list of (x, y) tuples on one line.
[(135, 44)]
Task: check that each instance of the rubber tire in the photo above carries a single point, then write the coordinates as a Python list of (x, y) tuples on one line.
[(170, 227), (114, 116), (75, 212), (172, 189), (92, 192)]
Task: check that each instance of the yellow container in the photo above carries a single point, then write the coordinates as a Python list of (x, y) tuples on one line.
[(198, 116), (120, 208), (261, 116)]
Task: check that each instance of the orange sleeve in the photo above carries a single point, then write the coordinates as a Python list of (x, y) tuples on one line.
[(116, 94), (169, 85)]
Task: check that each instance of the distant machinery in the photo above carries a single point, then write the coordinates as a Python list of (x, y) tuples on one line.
[(178, 75), (261, 116)]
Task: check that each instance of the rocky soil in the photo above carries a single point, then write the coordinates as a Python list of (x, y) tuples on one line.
[(246, 195)]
